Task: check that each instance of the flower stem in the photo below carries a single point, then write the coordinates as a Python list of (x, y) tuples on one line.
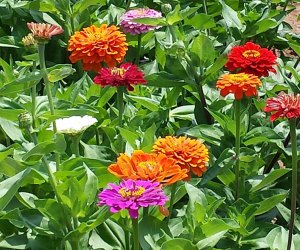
[(128, 4), (138, 50), (135, 227), (294, 180), (237, 146), (76, 141), (41, 52), (120, 104), (172, 199), (33, 99)]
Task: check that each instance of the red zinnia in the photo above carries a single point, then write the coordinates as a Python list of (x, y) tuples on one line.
[(126, 75), (284, 105), (251, 59)]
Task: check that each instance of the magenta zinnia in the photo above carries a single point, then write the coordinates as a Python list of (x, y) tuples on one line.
[(283, 106), (126, 75), (129, 26), (132, 195), (251, 59)]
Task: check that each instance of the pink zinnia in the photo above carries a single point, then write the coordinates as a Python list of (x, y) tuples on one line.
[(44, 31), (132, 195), (129, 26), (283, 105), (126, 75)]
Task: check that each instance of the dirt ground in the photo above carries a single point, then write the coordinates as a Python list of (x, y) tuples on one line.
[(292, 18)]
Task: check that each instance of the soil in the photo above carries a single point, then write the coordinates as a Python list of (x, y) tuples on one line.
[(292, 18)]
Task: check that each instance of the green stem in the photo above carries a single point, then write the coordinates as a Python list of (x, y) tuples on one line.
[(173, 34), (172, 199), (207, 31), (294, 180), (138, 50), (128, 5), (76, 141), (33, 99), (285, 5), (120, 104), (135, 228), (145, 211), (41, 52), (237, 147)]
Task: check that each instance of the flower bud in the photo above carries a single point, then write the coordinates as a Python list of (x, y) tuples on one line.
[(166, 8), (25, 120)]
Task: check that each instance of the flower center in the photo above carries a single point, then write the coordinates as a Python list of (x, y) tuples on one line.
[(239, 77), (118, 71), (251, 53), (129, 193), (147, 165)]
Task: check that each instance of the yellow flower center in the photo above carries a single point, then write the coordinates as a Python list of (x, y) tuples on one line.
[(131, 193), (251, 53), (149, 165), (239, 77), (118, 71)]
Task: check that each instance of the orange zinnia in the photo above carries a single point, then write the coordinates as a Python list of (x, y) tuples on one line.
[(95, 45), (190, 154), (144, 166), (238, 84)]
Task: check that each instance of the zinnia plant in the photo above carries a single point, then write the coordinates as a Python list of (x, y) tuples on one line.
[(144, 166), (44, 31), (132, 195), (95, 45), (251, 59), (288, 106), (240, 85), (127, 74)]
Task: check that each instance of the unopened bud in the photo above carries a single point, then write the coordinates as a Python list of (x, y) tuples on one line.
[(25, 120), (29, 40), (166, 8)]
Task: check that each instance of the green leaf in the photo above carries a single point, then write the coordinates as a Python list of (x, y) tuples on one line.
[(12, 131), (98, 152), (148, 138), (201, 21), (268, 203), (286, 214), (129, 137), (174, 16), (178, 244), (210, 241), (202, 51), (217, 225), (231, 17), (148, 103), (151, 21), (10, 186), (277, 239), (270, 178), (260, 27), (59, 72), (164, 80), (14, 242)]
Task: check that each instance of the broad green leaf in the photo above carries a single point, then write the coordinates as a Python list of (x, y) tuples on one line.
[(178, 244), (217, 225), (270, 178), (286, 214), (83, 5), (59, 72), (210, 241), (151, 21), (268, 203), (260, 27), (148, 103), (195, 195), (231, 17), (14, 242), (202, 51), (7, 71), (174, 16), (98, 152), (164, 80), (277, 239), (129, 137), (12, 131), (148, 138), (201, 21)]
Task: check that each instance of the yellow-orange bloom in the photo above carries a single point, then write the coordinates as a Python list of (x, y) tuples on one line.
[(144, 166), (238, 84), (94, 45), (190, 154)]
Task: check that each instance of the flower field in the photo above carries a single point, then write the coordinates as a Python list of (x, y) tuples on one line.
[(147, 125)]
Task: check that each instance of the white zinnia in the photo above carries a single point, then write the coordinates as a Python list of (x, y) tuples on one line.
[(74, 125)]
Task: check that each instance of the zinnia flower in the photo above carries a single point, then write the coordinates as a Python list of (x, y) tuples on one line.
[(95, 45), (190, 154), (126, 75), (74, 125), (132, 195), (44, 31), (283, 105), (29, 40), (129, 26), (251, 59), (144, 166), (238, 84)]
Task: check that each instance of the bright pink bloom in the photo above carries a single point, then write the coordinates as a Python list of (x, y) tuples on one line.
[(126, 75), (283, 105), (132, 195), (129, 26)]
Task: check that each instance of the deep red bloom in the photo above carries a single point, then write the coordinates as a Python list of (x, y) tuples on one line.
[(126, 75), (251, 59), (283, 105)]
